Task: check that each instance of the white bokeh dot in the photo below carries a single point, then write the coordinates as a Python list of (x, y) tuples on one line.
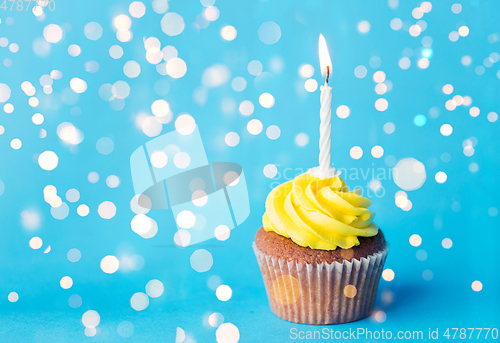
[(302, 139), (176, 67), (239, 84), (273, 132), (199, 198), (182, 238), (266, 100), (151, 126), (185, 124), (215, 319), (492, 117), (270, 171), (356, 152), (159, 159), (93, 31), (211, 13), (381, 104), (396, 24), (16, 144), (311, 85), (83, 210), (132, 69), (48, 160), (37, 119), (409, 174), (186, 219), (66, 282), (139, 301), (231, 178), (415, 240), (360, 71), (306, 71), (90, 331), (447, 243), (223, 292), (477, 286), (182, 160), (254, 127), (254, 67), (91, 319), (172, 24), (13, 297), (78, 85), (227, 333), (456, 8), (343, 111), (110, 264), (35, 243), (246, 107), (74, 255), (52, 33), (154, 288), (106, 210), (441, 177), (222, 232), (137, 9), (404, 63), (112, 181), (269, 33), (232, 139), (364, 26), (201, 260), (228, 33), (388, 275), (377, 151), (446, 129)]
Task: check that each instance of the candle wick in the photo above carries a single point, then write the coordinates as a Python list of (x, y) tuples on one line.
[(327, 74)]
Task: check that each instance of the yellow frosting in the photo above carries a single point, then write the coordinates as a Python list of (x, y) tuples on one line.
[(319, 213)]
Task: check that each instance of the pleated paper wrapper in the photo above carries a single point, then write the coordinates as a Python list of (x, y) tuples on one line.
[(325, 293)]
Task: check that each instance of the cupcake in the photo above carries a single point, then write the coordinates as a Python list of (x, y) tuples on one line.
[(320, 254)]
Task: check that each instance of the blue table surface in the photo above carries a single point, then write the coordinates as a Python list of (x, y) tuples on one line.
[(463, 209)]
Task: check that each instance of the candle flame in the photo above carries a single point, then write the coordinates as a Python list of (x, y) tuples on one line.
[(324, 56)]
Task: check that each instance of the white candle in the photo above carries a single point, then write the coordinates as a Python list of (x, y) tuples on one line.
[(325, 128)]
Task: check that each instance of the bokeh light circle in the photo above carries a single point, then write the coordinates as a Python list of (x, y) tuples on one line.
[(269, 33), (110, 264), (48, 160), (223, 292), (154, 288), (106, 210), (343, 111), (227, 333), (201, 260), (254, 127), (91, 318), (409, 174), (185, 124), (172, 24), (137, 9), (222, 232), (139, 301)]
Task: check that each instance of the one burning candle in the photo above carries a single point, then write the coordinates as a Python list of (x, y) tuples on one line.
[(325, 128)]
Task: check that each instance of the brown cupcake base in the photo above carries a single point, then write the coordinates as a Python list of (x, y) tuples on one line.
[(271, 243), (304, 290)]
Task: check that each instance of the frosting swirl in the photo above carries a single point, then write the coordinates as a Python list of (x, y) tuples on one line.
[(320, 213)]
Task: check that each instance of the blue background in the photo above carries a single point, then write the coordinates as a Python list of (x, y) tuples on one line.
[(42, 312)]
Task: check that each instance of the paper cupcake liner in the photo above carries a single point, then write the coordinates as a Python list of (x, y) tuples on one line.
[(325, 293)]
